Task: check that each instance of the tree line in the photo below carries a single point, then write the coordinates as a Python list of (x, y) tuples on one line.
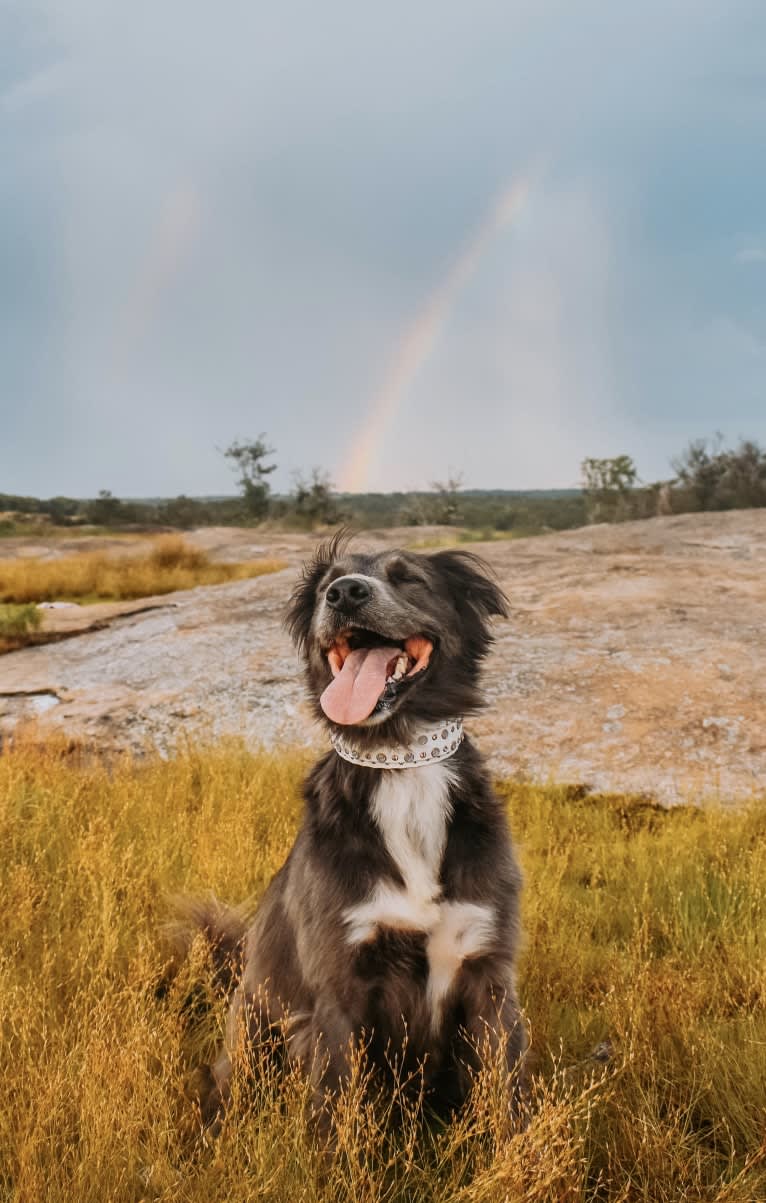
[(706, 476)]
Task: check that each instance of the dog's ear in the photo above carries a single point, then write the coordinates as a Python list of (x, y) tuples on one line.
[(471, 581), (300, 608)]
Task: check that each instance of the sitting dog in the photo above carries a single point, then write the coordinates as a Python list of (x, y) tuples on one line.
[(394, 920)]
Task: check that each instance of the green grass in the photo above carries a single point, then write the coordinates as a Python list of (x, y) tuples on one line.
[(18, 620), (645, 929), (17, 624)]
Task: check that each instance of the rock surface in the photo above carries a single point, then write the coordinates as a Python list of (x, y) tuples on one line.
[(634, 658)]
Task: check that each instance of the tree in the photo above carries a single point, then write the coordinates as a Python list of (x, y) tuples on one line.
[(249, 461), (62, 510), (699, 470), (744, 482), (713, 478), (182, 511), (313, 499), (446, 510), (607, 484), (106, 510)]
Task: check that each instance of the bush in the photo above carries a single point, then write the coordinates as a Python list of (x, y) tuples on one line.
[(18, 620), (313, 502), (172, 551), (710, 477), (609, 485)]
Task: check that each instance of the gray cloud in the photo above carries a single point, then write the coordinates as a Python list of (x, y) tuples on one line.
[(224, 219)]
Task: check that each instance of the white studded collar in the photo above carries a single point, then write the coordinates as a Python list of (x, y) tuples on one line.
[(428, 745)]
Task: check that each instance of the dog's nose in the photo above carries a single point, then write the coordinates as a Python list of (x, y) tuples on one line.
[(348, 593)]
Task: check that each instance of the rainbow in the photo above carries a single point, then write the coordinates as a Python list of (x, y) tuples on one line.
[(419, 340), (172, 240)]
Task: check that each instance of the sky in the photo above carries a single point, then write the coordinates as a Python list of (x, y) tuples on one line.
[(405, 240)]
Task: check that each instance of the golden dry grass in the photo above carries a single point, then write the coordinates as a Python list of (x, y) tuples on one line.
[(645, 934), (169, 565)]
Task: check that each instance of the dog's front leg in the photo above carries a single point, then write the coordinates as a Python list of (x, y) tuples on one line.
[(333, 1039), (493, 1031)]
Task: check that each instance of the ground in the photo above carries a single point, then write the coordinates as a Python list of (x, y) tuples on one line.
[(633, 659)]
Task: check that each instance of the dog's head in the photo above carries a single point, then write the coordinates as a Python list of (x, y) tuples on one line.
[(396, 637)]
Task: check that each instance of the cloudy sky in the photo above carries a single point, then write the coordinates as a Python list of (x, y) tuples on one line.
[(402, 239)]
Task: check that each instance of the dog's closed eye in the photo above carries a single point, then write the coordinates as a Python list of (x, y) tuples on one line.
[(399, 572)]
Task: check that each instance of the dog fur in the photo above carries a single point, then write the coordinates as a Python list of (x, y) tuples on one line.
[(394, 920)]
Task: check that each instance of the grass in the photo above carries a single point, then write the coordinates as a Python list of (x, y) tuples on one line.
[(170, 564), (17, 624), (457, 535), (645, 934), (454, 536)]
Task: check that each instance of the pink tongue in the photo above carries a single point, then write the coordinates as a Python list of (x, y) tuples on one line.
[(354, 693)]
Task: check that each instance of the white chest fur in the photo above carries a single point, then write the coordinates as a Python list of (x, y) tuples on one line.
[(412, 811)]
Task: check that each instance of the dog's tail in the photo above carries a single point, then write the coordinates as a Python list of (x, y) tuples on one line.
[(224, 928)]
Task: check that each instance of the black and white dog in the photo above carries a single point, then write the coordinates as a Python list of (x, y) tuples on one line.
[(394, 920)]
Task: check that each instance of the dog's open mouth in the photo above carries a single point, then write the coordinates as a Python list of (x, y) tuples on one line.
[(369, 672)]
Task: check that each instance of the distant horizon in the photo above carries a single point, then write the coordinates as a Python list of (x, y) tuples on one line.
[(286, 480), (153, 498)]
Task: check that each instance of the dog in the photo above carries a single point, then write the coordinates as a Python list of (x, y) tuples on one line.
[(394, 922)]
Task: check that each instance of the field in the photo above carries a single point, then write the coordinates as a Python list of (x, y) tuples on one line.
[(643, 981), (167, 564), (170, 564)]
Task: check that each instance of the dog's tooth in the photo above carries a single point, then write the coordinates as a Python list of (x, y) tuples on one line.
[(400, 667)]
